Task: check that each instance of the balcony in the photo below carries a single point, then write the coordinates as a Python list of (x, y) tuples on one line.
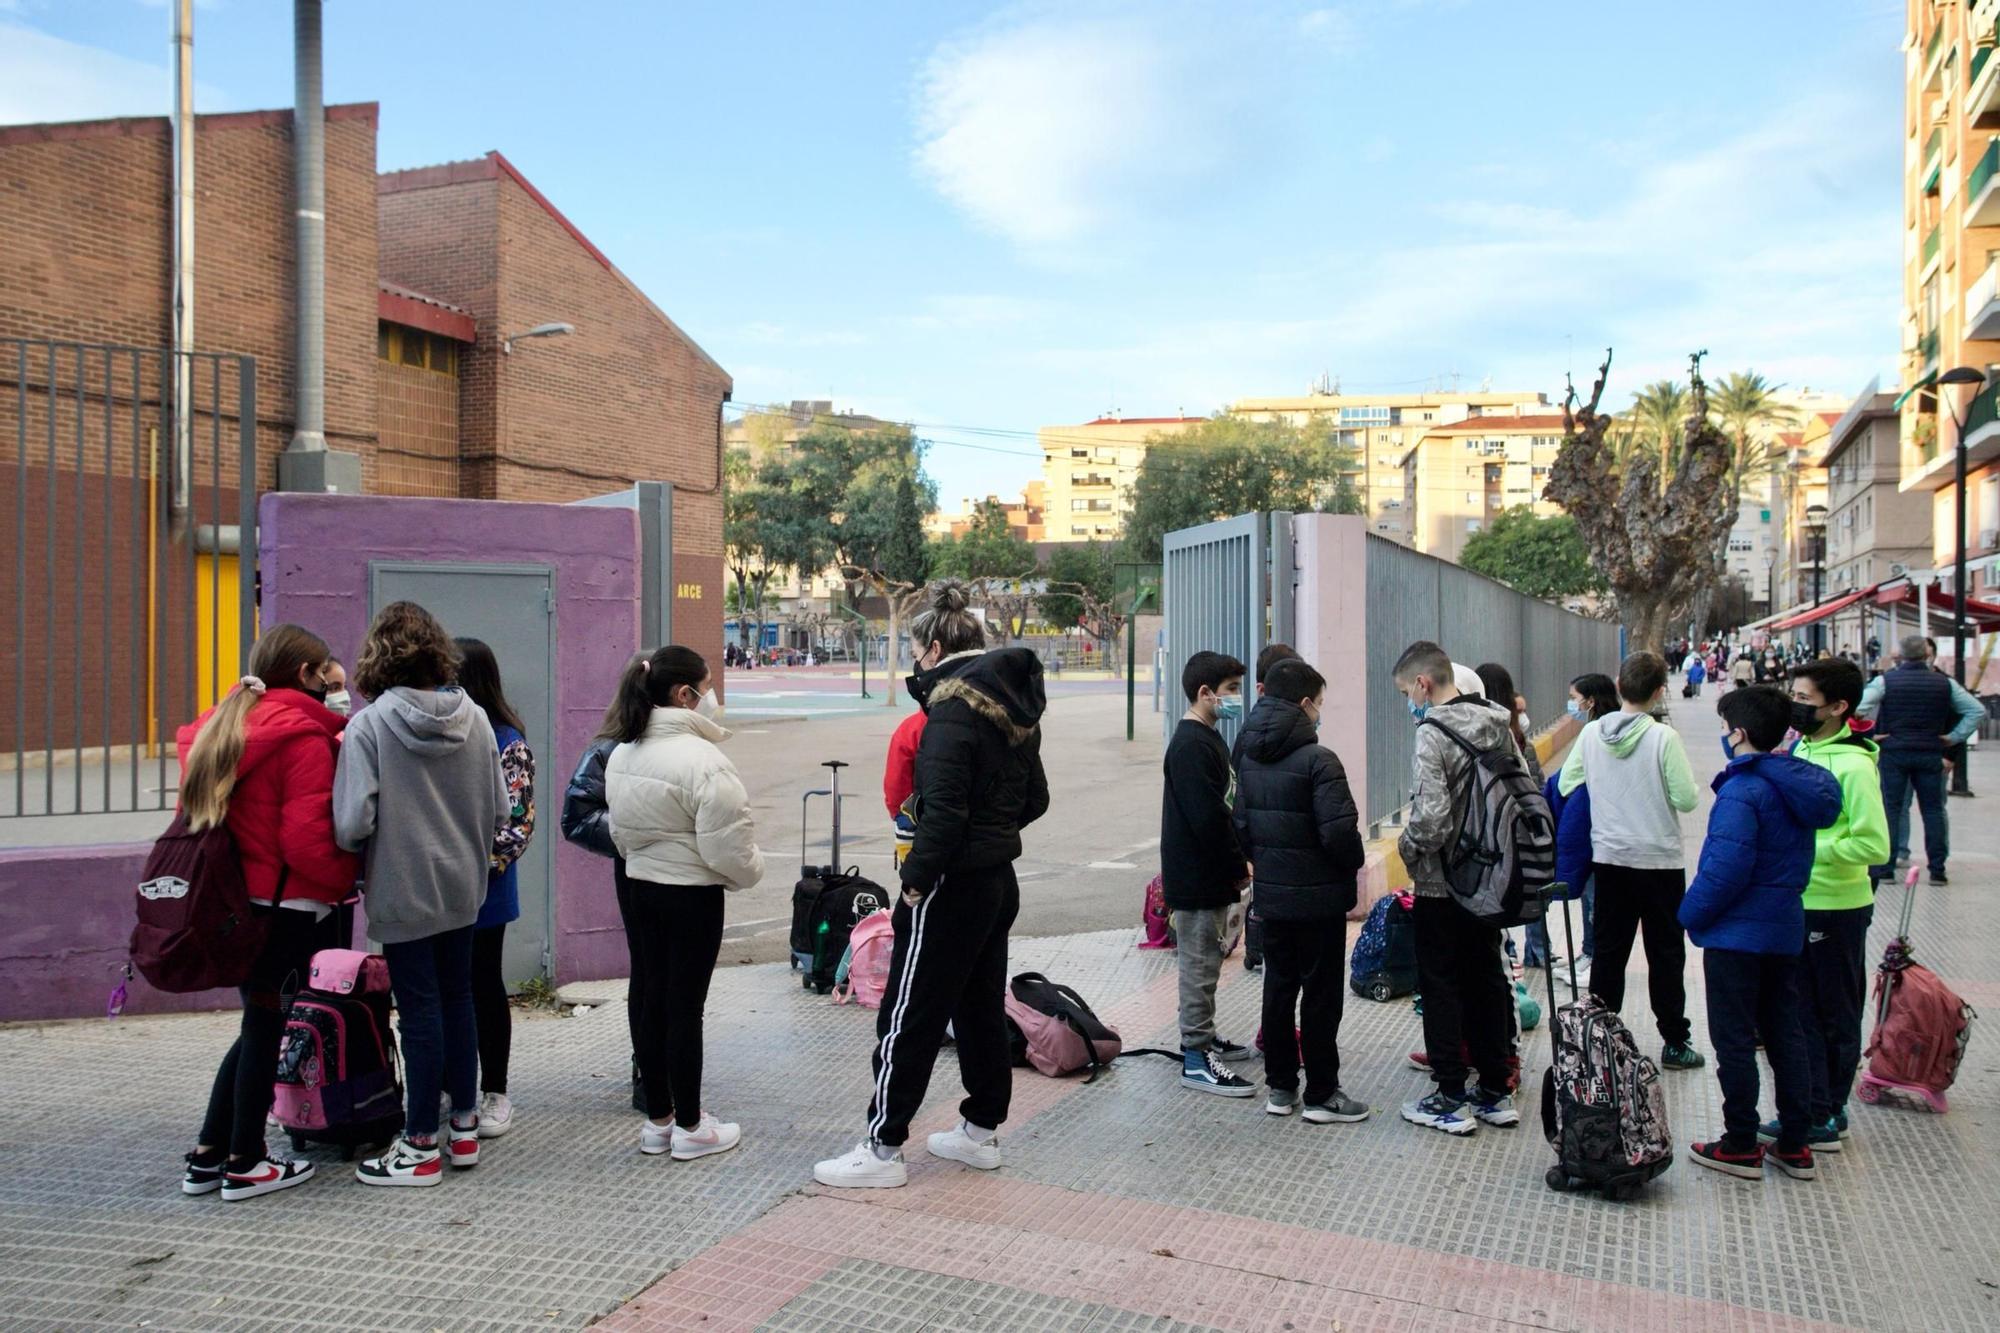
[(1982, 86), (1929, 254), (1933, 161), (1982, 188), (1936, 468), (1985, 14), (1934, 59), (1927, 354), (1982, 306)]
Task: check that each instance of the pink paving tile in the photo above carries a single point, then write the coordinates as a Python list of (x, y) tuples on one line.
[(1297, 1305), (1533, 1296), (736, 1284)]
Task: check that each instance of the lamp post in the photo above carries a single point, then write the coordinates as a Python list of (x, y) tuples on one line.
[(539, 331), (1770, 580), (1815, 528), (1961, 780)]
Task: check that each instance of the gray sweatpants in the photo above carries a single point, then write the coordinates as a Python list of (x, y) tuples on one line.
[(1198, 941)]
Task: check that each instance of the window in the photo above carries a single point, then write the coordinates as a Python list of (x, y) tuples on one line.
[(1080, 453), (413, 347)]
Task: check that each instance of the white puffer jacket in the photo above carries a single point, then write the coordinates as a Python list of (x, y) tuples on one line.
[(679, 814)]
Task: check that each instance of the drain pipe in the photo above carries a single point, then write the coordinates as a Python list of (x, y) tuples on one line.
[(180, 475), (307, 464)]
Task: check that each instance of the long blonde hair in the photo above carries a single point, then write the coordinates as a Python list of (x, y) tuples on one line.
[(210, 776)]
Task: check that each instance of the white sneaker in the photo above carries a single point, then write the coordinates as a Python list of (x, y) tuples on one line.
[(655, 1139), (403, 1164), (496, 1115), (461, 1143), (862, 1170), (265, 1177), (959, 1146), (707, 1138)]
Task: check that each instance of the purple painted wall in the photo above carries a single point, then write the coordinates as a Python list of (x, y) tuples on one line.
[(65, 918), (313, 555)]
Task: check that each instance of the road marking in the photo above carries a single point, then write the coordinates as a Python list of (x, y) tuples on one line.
[(1110, 865)]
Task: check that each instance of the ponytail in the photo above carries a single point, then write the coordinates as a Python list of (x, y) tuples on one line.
[(625, 719), (280, 658)]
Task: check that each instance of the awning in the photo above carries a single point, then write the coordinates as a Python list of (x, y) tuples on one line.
[(1904, 396), (1984, 617), (1823, 610)]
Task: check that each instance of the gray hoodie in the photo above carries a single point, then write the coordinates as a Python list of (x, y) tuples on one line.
[(1440, 789), (419, 788)]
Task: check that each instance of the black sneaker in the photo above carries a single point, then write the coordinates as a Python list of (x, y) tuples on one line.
[(1743, 1163), (1939, 878), (267, 1176), (1225, 1049), (1202, 1072), (203, 1178), (1681, 1055), (1797, 1164)]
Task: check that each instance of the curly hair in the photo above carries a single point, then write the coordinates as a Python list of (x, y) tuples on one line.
[(405, 646)]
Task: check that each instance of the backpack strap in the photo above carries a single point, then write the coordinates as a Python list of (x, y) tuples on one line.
[(1463, 743)]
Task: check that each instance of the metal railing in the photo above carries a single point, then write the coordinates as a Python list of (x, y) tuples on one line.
[(1930, 246), (1982, 171), (132, 565)]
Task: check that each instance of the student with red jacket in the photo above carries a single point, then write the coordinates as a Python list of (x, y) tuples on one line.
[(261, 763)]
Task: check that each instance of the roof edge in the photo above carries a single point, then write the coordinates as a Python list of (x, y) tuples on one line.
[(150, 127)]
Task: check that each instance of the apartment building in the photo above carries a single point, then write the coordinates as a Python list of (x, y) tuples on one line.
[(1457, 478), (1874, 530), (1088, 471), (1026, 517)]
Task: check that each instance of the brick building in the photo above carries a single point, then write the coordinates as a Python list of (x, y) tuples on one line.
[(427, 272)]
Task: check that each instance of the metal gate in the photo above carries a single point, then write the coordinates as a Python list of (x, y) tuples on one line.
[(1216, 595), (130, 527)]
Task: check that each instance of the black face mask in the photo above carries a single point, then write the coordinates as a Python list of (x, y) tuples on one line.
[(1805, 719), (318, 692)]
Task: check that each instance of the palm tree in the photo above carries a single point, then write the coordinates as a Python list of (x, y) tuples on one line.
[(1740, 404), (1658, 417)]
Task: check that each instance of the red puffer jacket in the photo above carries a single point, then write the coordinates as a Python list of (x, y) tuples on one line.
[(281, 811)]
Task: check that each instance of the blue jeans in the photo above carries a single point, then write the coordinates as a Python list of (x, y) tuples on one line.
[(432, 982), (1538, 931), (1924, 770)]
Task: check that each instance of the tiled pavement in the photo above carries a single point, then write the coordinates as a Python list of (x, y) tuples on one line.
[(1126, 1204)]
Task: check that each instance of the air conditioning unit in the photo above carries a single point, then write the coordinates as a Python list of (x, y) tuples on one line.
[(1989, 538), (1898, 571)]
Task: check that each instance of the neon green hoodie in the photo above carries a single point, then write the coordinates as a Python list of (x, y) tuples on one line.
[(1857, 840)]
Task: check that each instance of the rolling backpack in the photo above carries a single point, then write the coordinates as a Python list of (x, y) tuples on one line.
[(1503, 862), (863, 975), (1384, 963), (337, 1072), (1921, 1024), (1603, 1109), (1155, 919), (827, 905), (195, 929)]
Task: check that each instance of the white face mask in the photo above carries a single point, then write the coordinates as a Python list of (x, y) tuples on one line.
[(709, 707), (339, 701)]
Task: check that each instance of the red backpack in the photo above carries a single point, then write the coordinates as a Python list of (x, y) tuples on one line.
[(196, 930)]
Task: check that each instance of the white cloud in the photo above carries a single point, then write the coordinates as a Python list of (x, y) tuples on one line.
[(45, 78), (1333, 29), (1056, 127)]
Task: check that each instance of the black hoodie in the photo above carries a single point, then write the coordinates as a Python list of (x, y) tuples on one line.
[(979, 764), (1295, 817)]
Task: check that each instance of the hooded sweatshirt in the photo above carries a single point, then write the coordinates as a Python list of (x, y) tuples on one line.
[(1758, 855), (1640, 783), (1860, 837), (419, 788), (1439, 790), (979, 778), (1295, 818)]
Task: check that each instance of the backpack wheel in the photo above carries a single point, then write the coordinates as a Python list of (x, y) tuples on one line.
[(1557, 1179), (1868, 1092), (298, 1142), (1379, 990)]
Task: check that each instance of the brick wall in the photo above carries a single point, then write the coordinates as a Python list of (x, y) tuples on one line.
[(417, 415)]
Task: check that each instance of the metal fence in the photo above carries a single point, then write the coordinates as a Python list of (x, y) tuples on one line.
[(130, 513), (1476, 620), (1215, 593)]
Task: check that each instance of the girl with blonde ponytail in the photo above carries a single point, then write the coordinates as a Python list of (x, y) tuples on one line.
[(261, 764)]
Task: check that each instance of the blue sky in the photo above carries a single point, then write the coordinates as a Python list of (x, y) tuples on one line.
[(1007, 217)]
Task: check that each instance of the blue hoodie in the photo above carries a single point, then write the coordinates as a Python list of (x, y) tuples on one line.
[(1748, 891), (1572, 816)]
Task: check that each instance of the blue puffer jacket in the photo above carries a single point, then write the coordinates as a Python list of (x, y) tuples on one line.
[(1748, 891), (1572, 816)]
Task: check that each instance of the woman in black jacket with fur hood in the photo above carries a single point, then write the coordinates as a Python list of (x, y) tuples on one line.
[(979, 783)]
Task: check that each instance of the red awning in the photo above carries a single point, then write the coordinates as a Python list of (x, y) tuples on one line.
[(1822, 611), (1981, 616)]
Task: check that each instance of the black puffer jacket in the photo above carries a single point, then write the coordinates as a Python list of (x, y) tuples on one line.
[(979, 764), (1295, 817), (586, 818)]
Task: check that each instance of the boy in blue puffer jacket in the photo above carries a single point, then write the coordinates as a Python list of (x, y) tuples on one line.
[(1745, 911)]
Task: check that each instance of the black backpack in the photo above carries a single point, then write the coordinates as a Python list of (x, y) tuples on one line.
[(1502, 864), (196, 929), (827, 904)]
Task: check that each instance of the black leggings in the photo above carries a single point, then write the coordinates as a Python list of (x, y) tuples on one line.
[(240, 1097), (490, 1009), (676, 938)]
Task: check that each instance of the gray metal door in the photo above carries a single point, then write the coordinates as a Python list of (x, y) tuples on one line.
[(1213, 592), (511, 607)]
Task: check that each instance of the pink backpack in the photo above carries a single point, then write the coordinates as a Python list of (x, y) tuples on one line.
[(1052, 1029), (1157, 921), (864, 973), (337, 1073)]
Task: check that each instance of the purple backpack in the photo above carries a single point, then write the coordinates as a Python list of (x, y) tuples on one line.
[(337, 1073)]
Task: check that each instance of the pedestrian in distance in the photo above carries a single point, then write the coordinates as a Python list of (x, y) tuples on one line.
[(479, 677), (1296, 820), (681, 819), (979, 782), (1468, 1003), (261, 764), (1640, 785), (419, 792), (1839, 901), (1920, 715), (1202, 868), (586, 822), (1744, 911)]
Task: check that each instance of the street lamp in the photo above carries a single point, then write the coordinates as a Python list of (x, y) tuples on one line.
[(1770, 580), (1955, 376), (539, 331), (1815, 526)]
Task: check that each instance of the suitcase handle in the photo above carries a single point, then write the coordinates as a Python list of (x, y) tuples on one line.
[(805, 813)]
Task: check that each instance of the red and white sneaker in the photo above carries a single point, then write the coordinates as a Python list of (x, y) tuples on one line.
[(405, 1163), (265, 1177), (462, 1144)]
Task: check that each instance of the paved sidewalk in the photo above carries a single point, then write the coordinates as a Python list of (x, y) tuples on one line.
[(1125, 1204)]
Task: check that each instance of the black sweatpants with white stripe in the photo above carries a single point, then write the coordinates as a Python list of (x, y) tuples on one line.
[(949, 966)]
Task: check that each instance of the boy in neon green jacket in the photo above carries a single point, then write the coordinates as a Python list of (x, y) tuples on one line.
[(1840, 898)]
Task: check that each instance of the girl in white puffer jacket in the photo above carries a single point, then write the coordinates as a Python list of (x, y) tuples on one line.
[(681, 820)]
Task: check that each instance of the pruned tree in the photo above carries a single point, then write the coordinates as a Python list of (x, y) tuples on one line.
[(1651, 532)]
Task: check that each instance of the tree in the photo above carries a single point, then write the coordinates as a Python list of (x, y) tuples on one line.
[(743, 544), (1746, 407), (1542, 557), (1650, 542), (988, 549), (1081, 578), (1230, 465), (1658, 417)]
